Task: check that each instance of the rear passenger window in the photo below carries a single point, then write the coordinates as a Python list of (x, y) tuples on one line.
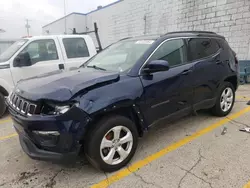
[(173, 51), (75, 47), (201, 48)]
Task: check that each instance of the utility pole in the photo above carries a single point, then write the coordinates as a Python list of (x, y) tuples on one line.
[(65, 21), (27, 27)]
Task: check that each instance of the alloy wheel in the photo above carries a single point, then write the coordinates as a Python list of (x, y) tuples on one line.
[(116, 145), (226, 100)]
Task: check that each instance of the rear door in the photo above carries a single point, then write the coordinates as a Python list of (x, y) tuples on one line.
[(44, 57), (205, 54), (76, 50), (168, 92)]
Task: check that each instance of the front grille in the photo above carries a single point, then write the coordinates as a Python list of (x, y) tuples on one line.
[(21, 105)]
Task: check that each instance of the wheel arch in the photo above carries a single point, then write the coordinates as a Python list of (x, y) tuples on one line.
[(132, 112), (3, 91), (233, 80)]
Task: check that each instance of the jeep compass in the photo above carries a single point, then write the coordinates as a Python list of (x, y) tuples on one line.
[(102, 107)]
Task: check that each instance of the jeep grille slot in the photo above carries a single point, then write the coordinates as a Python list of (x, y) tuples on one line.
[(21, 105)]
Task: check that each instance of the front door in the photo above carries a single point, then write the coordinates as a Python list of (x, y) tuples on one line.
[(169, 92), (43, 58)]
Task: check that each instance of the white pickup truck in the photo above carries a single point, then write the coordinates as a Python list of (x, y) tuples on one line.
[(29, 57)]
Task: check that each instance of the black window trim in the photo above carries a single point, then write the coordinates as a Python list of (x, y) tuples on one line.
[(207, 57), (185, 39), (75, 38)]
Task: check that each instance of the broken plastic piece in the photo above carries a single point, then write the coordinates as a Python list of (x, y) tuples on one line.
[(245, 130), (224, 131)]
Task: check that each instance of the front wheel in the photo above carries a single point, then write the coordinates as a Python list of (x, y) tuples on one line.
[(225, 100), (2, 105), (112, 143)]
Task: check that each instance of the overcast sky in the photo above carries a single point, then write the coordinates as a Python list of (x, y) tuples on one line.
[(13, 14)]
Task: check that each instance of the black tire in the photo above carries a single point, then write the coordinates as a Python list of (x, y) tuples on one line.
[(95, 136), (2, 105), (217, 109)]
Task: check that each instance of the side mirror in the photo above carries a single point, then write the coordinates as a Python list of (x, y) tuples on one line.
[(22, 60), (156, 66)]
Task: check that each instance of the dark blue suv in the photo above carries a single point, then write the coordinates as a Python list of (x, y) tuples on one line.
[(105, 105)]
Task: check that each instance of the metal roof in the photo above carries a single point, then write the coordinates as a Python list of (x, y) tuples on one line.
[(84, 14)]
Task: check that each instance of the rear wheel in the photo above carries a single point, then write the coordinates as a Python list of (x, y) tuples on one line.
[(112, 143), (2, 105), (225, 100)]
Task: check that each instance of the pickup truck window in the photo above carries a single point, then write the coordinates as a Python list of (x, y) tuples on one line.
[(6, 55), (41, 50), (120, 56), (75, 47)]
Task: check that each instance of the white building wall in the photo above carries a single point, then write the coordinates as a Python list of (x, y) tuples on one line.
[(230, 18), (72, 21)]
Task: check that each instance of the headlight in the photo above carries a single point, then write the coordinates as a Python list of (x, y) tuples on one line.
[(57, 109), (62, 109)]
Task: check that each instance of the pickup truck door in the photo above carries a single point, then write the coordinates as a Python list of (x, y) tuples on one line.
[(169, 92), (76, 49), (44, 55)]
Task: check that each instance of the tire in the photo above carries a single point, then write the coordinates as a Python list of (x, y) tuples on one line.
[(2, 105), (218, 109), (105, 131)]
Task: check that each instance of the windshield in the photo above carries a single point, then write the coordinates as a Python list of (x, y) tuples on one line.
[(7, 54), (120, 56)]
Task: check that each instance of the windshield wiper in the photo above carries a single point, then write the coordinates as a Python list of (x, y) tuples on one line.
[(96, 67)]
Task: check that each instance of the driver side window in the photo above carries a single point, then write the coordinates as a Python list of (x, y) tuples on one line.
[(41, 50), (173, 51)]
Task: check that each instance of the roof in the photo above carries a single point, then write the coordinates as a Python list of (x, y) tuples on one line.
[(175, 34), (191, 33), (143, 37), (52, 36), (84, 14)]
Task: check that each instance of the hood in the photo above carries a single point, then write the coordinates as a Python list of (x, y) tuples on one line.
[(4, 65), (62, 85)]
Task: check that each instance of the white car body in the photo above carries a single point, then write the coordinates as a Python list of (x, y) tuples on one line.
[(10, 73)]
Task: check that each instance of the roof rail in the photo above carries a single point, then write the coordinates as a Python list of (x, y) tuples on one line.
[(196, 32), (124, 38)]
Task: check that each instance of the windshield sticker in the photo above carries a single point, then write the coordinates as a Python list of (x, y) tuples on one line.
[(144, 42)]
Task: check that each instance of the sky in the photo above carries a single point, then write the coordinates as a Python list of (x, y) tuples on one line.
[(14, 13)]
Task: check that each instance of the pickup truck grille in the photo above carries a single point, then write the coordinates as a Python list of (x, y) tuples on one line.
[(21, 105)]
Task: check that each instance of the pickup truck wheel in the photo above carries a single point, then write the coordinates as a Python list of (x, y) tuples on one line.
[(225, 100), (2, 105), (112, 144)]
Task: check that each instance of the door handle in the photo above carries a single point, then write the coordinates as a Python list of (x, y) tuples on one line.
[(61, 66), (185, 72), (218, 62)]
